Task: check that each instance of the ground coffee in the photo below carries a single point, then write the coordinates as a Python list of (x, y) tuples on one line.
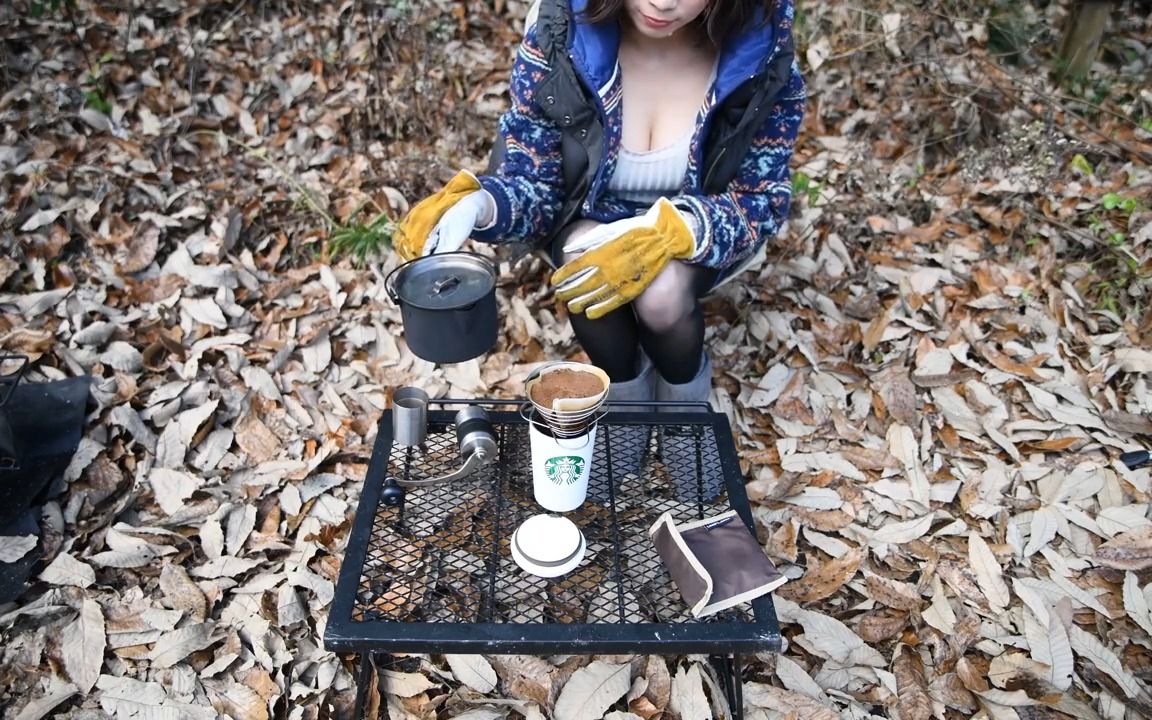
[(565, 384)]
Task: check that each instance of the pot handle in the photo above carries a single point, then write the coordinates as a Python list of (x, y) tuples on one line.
[(390, 285)]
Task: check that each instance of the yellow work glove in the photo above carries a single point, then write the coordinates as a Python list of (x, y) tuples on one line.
[(617, 270), (442, 222)]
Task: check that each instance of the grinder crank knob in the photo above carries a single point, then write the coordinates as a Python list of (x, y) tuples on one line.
[(392, 495)]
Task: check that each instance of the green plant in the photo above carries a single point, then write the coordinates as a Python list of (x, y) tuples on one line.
[(1117, 239), (1080, 164), (1117, 273), (96, 100), (913, 181), (1113, 201), (360, 240), (806, 186), (39, 8)]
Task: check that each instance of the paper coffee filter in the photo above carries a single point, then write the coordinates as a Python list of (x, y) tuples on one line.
[(566, 408)]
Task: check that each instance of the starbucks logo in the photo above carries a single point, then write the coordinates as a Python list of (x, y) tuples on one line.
[(564, 470)]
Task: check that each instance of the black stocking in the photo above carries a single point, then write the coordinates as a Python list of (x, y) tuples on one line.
[(671, 320), (666, 320)]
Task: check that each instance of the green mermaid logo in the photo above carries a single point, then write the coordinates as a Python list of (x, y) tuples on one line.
[(564, 470)]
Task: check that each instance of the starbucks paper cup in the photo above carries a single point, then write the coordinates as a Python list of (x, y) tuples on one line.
[(560, 467)]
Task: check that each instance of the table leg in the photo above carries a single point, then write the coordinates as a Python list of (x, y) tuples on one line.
[(363, 679), (729, 669), (368, 668)]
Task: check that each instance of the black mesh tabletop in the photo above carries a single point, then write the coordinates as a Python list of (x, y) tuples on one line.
[(437, 575)]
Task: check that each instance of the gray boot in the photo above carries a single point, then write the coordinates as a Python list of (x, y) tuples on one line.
[(629, 443), (698, 389), (637, 389), (689, 452)]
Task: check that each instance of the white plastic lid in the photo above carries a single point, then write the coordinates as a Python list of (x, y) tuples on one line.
[(548, 545)]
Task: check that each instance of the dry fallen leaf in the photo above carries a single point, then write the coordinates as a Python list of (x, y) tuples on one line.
[(405, 684), (15, 547), (83, 646), (474, 671), (591, 690), (823, 580), (789, 703), (989, 574), (688, 699), (914, 702), (1127, 551), (67, 570)]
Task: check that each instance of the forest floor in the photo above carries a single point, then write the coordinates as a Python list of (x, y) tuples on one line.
[(930, 378)]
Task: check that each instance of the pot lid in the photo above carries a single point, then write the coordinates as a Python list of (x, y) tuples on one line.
[(447, 281), (547, 542)]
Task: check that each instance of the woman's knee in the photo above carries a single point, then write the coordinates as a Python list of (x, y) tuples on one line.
[(668, 301)]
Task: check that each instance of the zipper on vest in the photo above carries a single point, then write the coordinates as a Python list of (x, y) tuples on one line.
[(712, 168)]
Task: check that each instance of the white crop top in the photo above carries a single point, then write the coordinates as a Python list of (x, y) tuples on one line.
[(644, 177)]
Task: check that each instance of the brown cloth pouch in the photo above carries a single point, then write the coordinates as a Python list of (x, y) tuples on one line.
[(716, 562)]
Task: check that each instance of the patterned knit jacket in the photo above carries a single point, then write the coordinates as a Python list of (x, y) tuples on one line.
[(528, 186)]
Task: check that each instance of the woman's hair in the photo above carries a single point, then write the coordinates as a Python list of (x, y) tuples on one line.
[(721, 20)]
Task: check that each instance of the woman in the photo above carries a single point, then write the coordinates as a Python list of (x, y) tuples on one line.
[(647, 148)]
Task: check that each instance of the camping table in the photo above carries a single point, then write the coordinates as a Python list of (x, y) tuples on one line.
[(435, 575)]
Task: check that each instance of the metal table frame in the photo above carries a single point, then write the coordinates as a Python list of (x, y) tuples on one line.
[(724, 642)]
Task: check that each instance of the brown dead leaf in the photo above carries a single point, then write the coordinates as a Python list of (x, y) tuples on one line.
[(869, 458), (659, 690), (949, 690), (1127, 551), (822, 520), (1009, 365), (237, 701), (180, 593), (878, 626), (875, 331), (824, 579), (1056, 444), (973, 673), (913, 702), (789, 704), (943, 380), (1127, 422), (783, 542), (529, 678), (893, 593), (254, 438), (643, 707), (140, 250), (899, 395)]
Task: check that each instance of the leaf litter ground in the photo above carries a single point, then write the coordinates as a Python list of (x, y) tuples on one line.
[(931, 376)]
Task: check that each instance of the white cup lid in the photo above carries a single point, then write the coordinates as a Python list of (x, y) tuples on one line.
[(548, 545)]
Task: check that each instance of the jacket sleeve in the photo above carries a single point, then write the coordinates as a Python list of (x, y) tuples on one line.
[(732, 225), (528, 185)]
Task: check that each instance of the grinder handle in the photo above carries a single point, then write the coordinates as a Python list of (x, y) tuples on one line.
[(475, 438)]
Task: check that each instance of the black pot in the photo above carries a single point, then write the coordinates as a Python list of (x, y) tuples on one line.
[(447, 304)]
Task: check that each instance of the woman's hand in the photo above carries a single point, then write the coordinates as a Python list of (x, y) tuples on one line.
[(442, 222), (624, 258)]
